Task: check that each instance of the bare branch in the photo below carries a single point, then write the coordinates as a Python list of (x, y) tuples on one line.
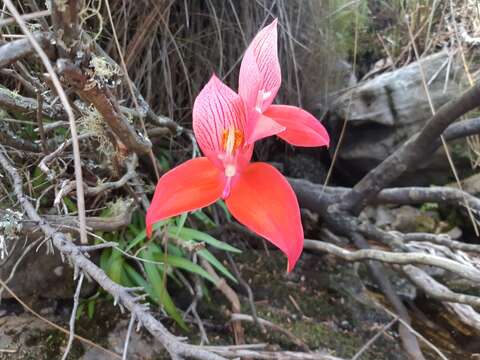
[(460, 130), (7, 138), (279, 355), (297, 341), (251, 300), (407, 336), (317, 197), (436, 290), (412, 152), (131, 164), (71, 119), (231, 295), (441, 239), (73, 316), (470, 273), (41, 130), (26, 17), (18, 49), (106, 104), (127, 337), (370, 342), (65, 23), (420, 195), (326, 203), (43, 165), (17, 103)]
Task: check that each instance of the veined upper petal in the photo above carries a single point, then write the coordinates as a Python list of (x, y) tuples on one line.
[(190, 186), (260, 74), (301, 127), (263, 201), (217, 108)]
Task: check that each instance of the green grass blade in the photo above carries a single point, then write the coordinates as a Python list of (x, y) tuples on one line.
[(192, 234), (187, 265), (207, 255), (161, 295)]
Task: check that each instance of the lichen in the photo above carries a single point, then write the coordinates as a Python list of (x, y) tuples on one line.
[(61, 5), (10, 227), (91, 121), (104, 72)]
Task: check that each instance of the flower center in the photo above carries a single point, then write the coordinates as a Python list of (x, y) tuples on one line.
[(232, 139)]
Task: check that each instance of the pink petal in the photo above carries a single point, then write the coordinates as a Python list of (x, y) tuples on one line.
[(260, 75), (302, 128), (216, 109), (190, 186), (249, 82), (263, 201), (262, 128)]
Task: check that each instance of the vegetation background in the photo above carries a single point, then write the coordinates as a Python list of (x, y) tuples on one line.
[(392, 206)]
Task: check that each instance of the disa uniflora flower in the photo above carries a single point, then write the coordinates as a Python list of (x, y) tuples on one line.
[(226, 125)]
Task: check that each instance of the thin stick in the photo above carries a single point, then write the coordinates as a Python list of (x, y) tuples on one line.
[(297, 341), (71, 118), (251, 300), (127, 338), (73, 316), (373, 339), (416, 333), (31, 16), (41, 130)]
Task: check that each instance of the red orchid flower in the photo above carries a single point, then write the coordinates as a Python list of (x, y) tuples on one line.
[(226, 125)]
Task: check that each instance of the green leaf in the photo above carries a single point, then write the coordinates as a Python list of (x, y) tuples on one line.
[(138, 219), (204, 218), (135, 277), (115, 266), (175, 250), (222, 204), (207, 255), (91, 309), (159, 292), (192, 234), (158, 255), (187, 265), (39, 181), (181, 222), (79, 313), (105, 259), (142, 235), (71, 206), (164, 159), (133, 229)]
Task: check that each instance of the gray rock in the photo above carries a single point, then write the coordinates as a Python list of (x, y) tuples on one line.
[(405, 218), (22, 337), (39, 275), (140, 346), (385, 111)]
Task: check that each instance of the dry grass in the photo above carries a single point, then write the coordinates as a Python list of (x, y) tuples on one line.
[(172, 47)]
